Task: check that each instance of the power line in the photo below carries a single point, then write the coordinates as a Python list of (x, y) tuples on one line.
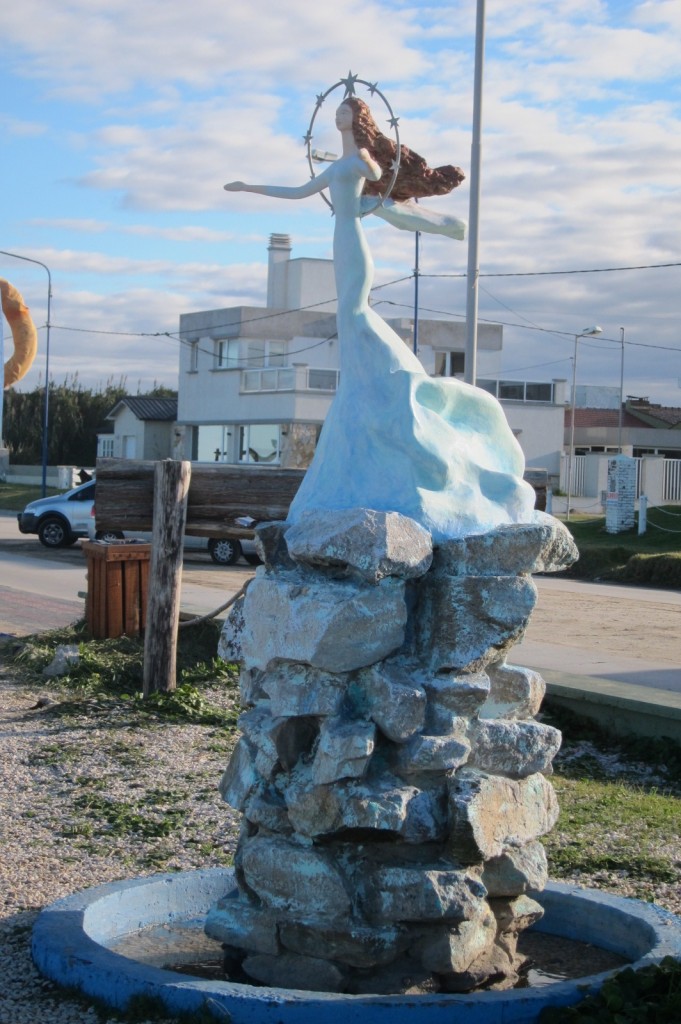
[(554, 273)]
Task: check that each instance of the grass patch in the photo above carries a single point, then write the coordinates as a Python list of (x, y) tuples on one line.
[(653, 558), (15, 497), (613, 826), (620, 801), (110, 672)]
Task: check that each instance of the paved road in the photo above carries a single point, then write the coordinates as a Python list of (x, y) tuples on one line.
[(625, 634)]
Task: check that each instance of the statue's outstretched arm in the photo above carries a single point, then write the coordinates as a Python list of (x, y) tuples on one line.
[(310, 188), (411, 216)]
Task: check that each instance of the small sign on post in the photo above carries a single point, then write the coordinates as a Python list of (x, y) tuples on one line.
[(171, 487), (620, 497)]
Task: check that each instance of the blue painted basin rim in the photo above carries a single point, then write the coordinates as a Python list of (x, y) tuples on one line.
[(71, 936)]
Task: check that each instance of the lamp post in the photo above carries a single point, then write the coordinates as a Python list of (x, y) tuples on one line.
[(473, 269), (46, 406), (586, 333), (619, 420)]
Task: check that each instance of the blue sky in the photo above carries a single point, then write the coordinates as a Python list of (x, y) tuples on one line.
[(121, 121)]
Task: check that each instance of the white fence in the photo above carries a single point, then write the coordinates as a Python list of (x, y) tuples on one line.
[(671, 480), (659, 479)]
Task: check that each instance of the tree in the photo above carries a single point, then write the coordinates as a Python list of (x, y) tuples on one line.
[(76, 414)]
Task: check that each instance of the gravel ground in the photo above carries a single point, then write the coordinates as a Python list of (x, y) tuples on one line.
[(88, 799), (157, 785)]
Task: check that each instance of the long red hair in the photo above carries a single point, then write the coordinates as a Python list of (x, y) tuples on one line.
[(415, 179)]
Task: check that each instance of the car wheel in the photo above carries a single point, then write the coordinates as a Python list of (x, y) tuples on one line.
[(108, 535), (224, 551), (54, 533)]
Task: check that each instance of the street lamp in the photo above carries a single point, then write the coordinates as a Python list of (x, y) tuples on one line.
[(46, 406), (619, 420), (588, 332)]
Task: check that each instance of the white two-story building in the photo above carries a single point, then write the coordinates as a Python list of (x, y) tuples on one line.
[(255, 383)]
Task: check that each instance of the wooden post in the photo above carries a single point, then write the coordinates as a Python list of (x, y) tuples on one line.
[(171, 487)]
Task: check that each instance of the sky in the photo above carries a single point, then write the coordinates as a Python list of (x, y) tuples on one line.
[(120, 122)]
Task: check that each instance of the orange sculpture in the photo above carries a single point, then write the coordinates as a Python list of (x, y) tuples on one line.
[(24, 334)]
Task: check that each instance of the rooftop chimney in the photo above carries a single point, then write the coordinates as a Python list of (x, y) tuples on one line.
[(279, 251)]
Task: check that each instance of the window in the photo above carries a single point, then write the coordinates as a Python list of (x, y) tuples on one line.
[(260, 442), (448, 364), (539, 392), (227, 354), (106, 447), (322, 380), (511, 390), (212, 442), (265, 353)]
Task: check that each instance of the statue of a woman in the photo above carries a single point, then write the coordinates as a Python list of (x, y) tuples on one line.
[(396, 439)]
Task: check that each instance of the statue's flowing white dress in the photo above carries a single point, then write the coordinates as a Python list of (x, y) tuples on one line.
[(396, 439)]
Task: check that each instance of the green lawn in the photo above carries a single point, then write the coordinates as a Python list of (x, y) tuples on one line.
[(15, 497), (653, 558)]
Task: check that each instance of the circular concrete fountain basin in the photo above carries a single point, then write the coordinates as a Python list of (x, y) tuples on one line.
[(72, 942)]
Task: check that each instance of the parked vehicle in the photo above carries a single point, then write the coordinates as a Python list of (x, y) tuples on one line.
[(228, 550), (222, 550), (62, 518)]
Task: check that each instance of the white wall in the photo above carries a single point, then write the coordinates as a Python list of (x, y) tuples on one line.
[(539, 429)]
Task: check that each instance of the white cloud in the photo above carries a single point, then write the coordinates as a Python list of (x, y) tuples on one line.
[(132, 117)]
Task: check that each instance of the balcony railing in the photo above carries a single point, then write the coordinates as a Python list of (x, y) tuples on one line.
[(289, 378)]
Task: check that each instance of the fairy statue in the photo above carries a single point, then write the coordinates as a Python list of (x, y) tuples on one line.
[(395, 439)]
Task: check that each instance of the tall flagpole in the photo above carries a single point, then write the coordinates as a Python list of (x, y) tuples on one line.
[(470, 364)]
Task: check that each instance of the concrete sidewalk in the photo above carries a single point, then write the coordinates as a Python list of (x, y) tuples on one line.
[(584, 664)]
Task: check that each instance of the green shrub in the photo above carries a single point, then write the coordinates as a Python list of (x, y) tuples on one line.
[(657, 570), (651, 995)]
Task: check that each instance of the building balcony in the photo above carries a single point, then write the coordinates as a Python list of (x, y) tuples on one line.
[(299, 377)]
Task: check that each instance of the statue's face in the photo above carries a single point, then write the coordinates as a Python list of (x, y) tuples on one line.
[(344, 117)]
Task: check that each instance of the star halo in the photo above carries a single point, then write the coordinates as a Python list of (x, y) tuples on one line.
[(348, 84)]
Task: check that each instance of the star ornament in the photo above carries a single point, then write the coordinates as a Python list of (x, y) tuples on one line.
[(349, 83)]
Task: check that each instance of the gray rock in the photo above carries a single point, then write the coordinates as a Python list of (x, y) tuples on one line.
[(66, 657), (433, 753), (270, 545), (348, 943), (296, 689), (494, 970), (371, 544), (403, 977), (466, 622), (515, 915), (258, 727), (384, 806), (265, 806), (251, 686), (334, 627), (229, 644), (452, 950), (515, 692), (240, 776), (292, 971), (451, 695), (511, 747), (238, 923), (516, 871), (394, 701), (294, 879), (545, 545), (343, 751), (489, 813), (392, 894)]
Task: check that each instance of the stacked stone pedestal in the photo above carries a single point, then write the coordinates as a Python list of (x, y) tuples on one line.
[(390, 768)]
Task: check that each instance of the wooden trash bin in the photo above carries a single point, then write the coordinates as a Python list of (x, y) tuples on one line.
[(117, 585)]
